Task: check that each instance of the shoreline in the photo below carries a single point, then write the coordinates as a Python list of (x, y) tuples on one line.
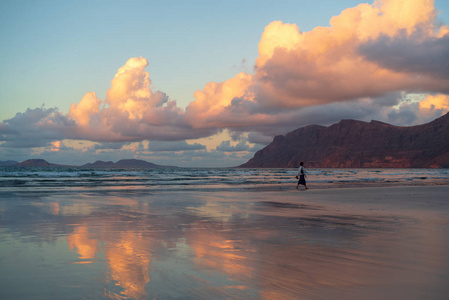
[(217, 188)]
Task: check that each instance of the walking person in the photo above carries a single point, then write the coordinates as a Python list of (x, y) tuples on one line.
[(301, 176)]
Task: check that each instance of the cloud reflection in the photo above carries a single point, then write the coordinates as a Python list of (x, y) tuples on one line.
[(126, 251), (129, 264), (227, 245), (80, 242)]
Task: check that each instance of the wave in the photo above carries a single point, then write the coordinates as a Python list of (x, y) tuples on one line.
[(21, 179)]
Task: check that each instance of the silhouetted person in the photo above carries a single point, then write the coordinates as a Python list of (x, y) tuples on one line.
[(301, 176)]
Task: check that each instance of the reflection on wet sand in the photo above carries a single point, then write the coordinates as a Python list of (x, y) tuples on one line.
[(85, 246), (213, 251), (129, 264), (236, 245), (126, 251), (54, 208)]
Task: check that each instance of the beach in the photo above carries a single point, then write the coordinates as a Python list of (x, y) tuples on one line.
[(365, 242)]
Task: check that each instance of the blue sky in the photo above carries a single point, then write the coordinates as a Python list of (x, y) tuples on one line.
[(54, 52)]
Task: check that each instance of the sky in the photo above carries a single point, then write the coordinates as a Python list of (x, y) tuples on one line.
[(208, 83)]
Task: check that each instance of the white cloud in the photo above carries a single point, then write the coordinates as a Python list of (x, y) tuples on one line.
[(174, 146), (351, 69)]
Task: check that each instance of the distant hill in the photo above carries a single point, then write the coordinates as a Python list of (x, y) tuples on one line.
[(135, 163), (123, 164), (36, 163), (357, 144), (99, 164), (4, 163)]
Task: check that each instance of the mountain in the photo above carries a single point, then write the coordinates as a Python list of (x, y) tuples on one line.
[(99, 164), (135, 163), (4, 163), (123, 164), (36, 163), (357, 144)]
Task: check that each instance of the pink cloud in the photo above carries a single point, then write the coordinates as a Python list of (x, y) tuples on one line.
[(132, 110), (368, 51), (354, 68), (88, 106), (326, 64)]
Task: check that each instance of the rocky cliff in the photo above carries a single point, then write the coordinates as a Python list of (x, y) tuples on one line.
[(357, 144)]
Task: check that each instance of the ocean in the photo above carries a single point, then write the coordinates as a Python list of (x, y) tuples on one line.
[(165, 179)]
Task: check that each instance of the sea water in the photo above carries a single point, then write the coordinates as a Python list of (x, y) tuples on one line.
[(76, 179)]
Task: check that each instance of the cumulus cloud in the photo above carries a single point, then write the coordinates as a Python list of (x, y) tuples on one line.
[(364, 65), (174, 146), (132, 111), (88, 106), (412, 54), (35, 128), (419, 112), (435, 102), (226, 146), (327, 66), (109, 146), (347, 70), (210, 103)]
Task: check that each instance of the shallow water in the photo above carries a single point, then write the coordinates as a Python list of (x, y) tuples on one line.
[(77, 179), (320, 244)]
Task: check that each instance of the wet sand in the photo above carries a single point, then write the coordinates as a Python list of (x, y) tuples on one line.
[(345, 243)]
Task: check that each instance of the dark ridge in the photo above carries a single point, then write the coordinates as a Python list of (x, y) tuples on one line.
[(358, 144)]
